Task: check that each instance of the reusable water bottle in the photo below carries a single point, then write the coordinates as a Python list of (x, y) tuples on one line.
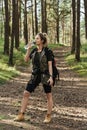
[(30, 44)]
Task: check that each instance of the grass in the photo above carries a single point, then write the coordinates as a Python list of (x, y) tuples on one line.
[(79, 67), (7, 72), (2, 117)]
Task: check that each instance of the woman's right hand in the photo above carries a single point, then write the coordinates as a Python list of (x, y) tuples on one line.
[(26, 58)]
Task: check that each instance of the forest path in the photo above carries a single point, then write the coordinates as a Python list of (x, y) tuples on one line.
[(69, 95)]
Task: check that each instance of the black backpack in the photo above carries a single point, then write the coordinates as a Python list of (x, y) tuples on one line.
[(55, 70)]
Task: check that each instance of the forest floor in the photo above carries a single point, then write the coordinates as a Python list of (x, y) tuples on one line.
[(69, 95)]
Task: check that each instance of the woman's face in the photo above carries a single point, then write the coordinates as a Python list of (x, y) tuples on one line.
[(38, 40)]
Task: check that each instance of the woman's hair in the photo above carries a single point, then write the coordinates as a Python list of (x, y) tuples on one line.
[(43, 37)]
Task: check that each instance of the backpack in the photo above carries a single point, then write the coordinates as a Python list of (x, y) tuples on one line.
[(55, 70)]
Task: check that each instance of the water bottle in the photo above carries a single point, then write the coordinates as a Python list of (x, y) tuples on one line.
[(30, 45)]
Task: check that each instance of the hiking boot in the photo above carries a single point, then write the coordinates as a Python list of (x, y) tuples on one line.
[(47, 118), (20, 117)]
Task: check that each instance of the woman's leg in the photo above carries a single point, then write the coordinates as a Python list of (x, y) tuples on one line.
[(49, 107), (24, 101), (49, 103), (24, 104)]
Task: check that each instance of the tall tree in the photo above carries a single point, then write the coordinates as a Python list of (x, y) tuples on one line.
[(12, 33), (17, 24), (25, 23), (6, 34), (85, 7), (74, 26), (32, 17), (77, 52), (44, 16), (1, 18), (57, 21), (36, 19)]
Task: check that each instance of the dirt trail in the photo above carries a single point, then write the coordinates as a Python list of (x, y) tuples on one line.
[(69, 95)]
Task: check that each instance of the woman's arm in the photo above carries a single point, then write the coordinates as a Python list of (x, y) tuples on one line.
[(27, 55), (50, 72), (50, 68)]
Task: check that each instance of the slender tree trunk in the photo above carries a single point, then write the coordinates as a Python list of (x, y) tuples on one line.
[(16, 24), (6, 41), (20, 20), (85, 7), (12, 34), (32, 18), (74, 26), (36, 20), (2, 19), (77, 53), (44, 15), (25, 24), (57, 22), (63, 28)]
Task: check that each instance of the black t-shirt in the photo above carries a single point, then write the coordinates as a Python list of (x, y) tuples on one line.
[(48, 53), (35, 56)]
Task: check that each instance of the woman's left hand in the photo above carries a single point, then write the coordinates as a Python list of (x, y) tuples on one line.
[(50, 81)]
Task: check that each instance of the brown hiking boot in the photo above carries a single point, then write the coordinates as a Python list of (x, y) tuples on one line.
[(20, 117), (47, 118)]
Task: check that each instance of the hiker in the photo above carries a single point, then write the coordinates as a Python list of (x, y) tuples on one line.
[(41, 72)]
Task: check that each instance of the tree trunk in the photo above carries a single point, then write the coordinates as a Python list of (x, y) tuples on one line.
[(74, 26), (77, 53), (16, 24), (25, 24), (44, 16), (2, 19), (20, 20), (32, 19), (57, 22), (85, 8), (6, 41), (36, 20), (12, 34)]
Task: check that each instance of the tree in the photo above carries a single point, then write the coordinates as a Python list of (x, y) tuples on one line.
[(77, 52), (43, 16), (56, 17), (25, 23), (6, 34), (32, 17), (85, 8), (74, 26), (17, 24), (36, 20), (12, 34)]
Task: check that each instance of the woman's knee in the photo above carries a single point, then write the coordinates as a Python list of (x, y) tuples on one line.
[(49, 96), (26, 94)]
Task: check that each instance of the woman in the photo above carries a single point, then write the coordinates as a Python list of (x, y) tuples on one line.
[(42, 65)]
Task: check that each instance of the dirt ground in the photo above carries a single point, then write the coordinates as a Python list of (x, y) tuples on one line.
[(69, 95)]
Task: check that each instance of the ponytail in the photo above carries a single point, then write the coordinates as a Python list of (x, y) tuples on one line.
[(43, 37)]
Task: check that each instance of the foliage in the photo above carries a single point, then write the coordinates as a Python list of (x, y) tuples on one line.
[(79, 67)]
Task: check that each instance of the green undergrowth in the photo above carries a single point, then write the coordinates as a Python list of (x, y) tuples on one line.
[(79, 67), (7, 72)]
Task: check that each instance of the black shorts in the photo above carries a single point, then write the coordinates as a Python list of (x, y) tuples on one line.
[(34, 82)]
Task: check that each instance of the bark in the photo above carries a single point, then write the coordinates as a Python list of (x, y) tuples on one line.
[(44, 16), (16, 24), (85, 8), (77, 52), (12, 34), (6, 34), (74, 26), (32, 19), (36, 20), (25, 23)]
